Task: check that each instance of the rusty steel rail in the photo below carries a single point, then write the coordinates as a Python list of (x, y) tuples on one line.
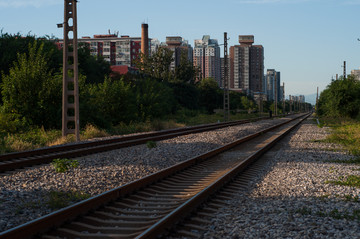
[(173, 186), (23, 159)]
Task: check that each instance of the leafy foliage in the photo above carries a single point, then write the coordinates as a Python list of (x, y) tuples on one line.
[(29, 90), (151, 144), (63, 165), (157, 65), (111, 100), (153, 99), (185, 72), (96, 69), (340, 98), (59, 199), (210, 95)]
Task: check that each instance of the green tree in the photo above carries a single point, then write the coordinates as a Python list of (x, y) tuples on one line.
[(248, 103), (186, 95), (157, 65), (210, 94), (185, 71), (29, 89), (153, 99), (114, 100), (96, 69), (12, 45), (340, 98)]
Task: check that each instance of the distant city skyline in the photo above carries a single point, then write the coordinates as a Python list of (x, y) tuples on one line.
[(307, 41)]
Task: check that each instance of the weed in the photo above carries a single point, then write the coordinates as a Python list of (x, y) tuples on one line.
[(317, 141), (27, 204), (335, 214), (351, 198), (349, 161), (151, 144), (92, 131), (58, 199), (63, 165), (348, 135), (304, 211), (320, 214), (324, 197), (351, 181)]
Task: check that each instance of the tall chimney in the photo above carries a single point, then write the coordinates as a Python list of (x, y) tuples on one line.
[(144, 39)]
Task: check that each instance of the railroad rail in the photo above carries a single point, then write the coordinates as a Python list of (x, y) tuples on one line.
[(29, 158), (150, 206)]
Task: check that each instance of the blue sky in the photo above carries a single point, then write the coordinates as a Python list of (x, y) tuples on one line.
[(306, 40)]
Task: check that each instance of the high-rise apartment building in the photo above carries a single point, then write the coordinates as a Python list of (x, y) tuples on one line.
[(118, 51), (272, 84), (206, 56), (122, 50), (179, 47), (356, 74), (246, 65)]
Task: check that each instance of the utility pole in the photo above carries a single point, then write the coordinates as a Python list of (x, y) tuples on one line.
[(290, 101), (344, 70), (284, 98), (317, 99), (226, 81), (276, 95), (70, 99)]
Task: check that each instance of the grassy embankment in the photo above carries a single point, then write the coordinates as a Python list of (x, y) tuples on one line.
[(37, 138), (345, 132)]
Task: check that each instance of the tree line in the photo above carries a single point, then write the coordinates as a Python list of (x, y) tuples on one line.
[(31, 87), (341, 98)]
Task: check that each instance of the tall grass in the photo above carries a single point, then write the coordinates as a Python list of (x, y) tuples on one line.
[(38, 137), (345, 132)]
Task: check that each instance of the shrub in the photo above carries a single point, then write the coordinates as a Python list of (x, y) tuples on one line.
[(151, 144), (92, 131), (59, 200), (63, 165)]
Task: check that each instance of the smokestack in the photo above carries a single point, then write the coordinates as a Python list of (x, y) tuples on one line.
[(144, 39)]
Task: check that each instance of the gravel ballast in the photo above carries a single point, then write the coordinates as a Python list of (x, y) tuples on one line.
[(288, 199), (291, 197), (24, 195)]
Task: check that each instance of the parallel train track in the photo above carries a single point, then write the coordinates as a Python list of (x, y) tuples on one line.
[(23, 159), (150, 206)]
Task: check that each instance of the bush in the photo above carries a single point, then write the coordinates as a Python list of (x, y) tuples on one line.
[(63, 165), (11, 123), (151, 144), (341, 98), (58, 200), (210, 95), (30, 91), (92, 131), (153, 99)]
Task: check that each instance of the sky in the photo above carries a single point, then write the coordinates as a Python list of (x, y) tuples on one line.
[(306, 40)]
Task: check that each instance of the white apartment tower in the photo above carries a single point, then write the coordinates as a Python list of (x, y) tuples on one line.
[(206, 56)]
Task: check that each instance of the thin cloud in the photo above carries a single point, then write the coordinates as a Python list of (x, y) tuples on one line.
[(28, 3)]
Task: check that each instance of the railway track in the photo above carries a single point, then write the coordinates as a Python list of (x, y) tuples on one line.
[(149, 207), (23, 159)]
